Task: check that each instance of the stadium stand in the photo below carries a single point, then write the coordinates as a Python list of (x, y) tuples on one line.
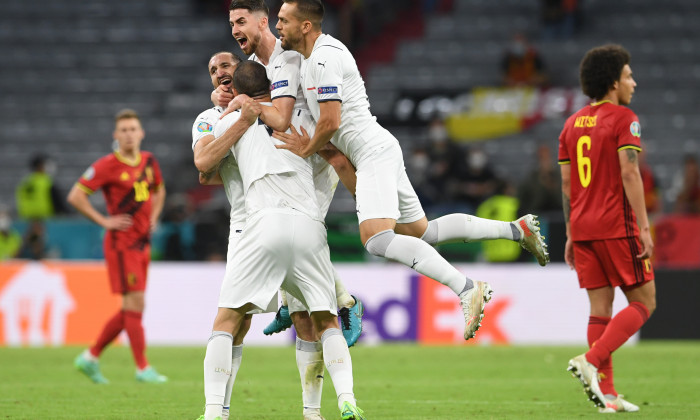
[(69, 65)]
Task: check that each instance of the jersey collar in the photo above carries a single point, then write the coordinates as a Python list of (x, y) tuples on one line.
[(130, 162), (601, 102)]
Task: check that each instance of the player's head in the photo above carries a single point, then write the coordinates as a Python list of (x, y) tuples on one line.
[(606, 70), (221, 68), (296, 19), (250, 78), (128, 131), (248, 19)]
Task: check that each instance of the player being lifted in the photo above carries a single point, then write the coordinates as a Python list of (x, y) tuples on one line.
[(608, 239), (392, 222), (283, 244), (249, 26), (209, 155), (132, 185)]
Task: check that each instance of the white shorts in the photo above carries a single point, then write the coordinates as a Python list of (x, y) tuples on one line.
[(233, 238), (280, 248), (383, 190)]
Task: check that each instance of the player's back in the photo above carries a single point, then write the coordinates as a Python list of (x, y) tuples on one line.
[(272, 178), (590, 142)]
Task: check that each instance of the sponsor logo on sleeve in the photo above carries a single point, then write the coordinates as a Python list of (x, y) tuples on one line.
[(635, 129), (325, 90), (89, 173), (204, 127), (277, 85)]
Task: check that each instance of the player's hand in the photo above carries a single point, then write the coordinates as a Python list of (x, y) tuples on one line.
[(569, 253), (221, 96), (235, 104), (153, 226), (250, 110), (294, 142), (118, 222), (647, 244)]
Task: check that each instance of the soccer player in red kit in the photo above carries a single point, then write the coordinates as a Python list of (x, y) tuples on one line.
[(133, 189), (608, 239)]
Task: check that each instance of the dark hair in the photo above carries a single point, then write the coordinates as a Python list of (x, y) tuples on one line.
[(236, 59), (37, 162), (311, 10), (601, 67), (250, 78), (250, 5)]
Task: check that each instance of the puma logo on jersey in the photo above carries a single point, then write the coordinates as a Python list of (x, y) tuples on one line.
[(322, 64), (414, 263)]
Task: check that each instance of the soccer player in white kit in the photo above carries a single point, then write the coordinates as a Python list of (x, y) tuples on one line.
[(390, 215), (309, 355), (283, 244), (249, 26)]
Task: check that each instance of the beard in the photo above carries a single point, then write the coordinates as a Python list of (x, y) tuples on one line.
[(291, 42)]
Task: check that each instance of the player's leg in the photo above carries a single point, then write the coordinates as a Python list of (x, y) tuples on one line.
[(309, 357), (350, 311), (336, 356), (601, 301), (218, 360), (236, 359)]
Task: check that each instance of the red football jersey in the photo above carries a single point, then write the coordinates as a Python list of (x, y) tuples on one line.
[(590, 142), (127, 188)]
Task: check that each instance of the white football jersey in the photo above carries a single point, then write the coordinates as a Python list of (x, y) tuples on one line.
[(283, 72), (330, 74), (272, 178), (228, 170)]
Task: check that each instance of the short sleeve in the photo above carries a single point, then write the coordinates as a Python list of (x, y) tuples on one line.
[(329, 74), (94, 177), (157, 175), (224, 124), (629, 132), (285, 75), (563, 158), (204, 125)]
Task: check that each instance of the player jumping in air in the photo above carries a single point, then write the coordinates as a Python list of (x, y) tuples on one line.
[(392, 222), (133, 189), (608, 239)]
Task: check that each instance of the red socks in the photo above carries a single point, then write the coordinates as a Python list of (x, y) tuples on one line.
[(110, 331), (596, 328), (627, 322), (134, 329)]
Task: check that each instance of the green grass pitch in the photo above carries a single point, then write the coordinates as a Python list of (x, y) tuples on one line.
[(391, 382)]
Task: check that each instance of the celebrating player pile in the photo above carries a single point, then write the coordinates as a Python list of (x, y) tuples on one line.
[(603, 203)]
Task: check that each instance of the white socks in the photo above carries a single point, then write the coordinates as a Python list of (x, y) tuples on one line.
[(236, 358), (310, 364), (336, 356), (217, 370), (464, 227), (418, 255), (341, 294)]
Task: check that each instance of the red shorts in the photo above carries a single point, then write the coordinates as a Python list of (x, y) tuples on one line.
[(611, 262), (127, 269)]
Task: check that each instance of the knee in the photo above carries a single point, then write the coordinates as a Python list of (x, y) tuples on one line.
[(378, 244), (650, 303), (303, 326)]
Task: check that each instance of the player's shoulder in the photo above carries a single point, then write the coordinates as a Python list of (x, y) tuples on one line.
[(285, 58), (622, 111), (209, 114), (327, 46)]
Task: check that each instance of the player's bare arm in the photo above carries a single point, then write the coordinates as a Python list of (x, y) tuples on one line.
[(566, 205), (327, 125), (634, 190), (342, 165), (157, 202), (210, 178), (209, 151), (80, 200)]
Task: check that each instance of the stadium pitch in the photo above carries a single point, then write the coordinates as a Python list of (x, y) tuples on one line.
[(391, 382)]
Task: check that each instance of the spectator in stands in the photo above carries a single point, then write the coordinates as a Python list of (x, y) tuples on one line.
[(34, 242), (445, 160), (688, 200), (37, 196), (540, 191), (10, 240), (522, 64), (503, 205), (477, 181), (559, 18)]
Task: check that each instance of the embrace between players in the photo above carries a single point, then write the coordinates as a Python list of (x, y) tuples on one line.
[(297, 121)]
